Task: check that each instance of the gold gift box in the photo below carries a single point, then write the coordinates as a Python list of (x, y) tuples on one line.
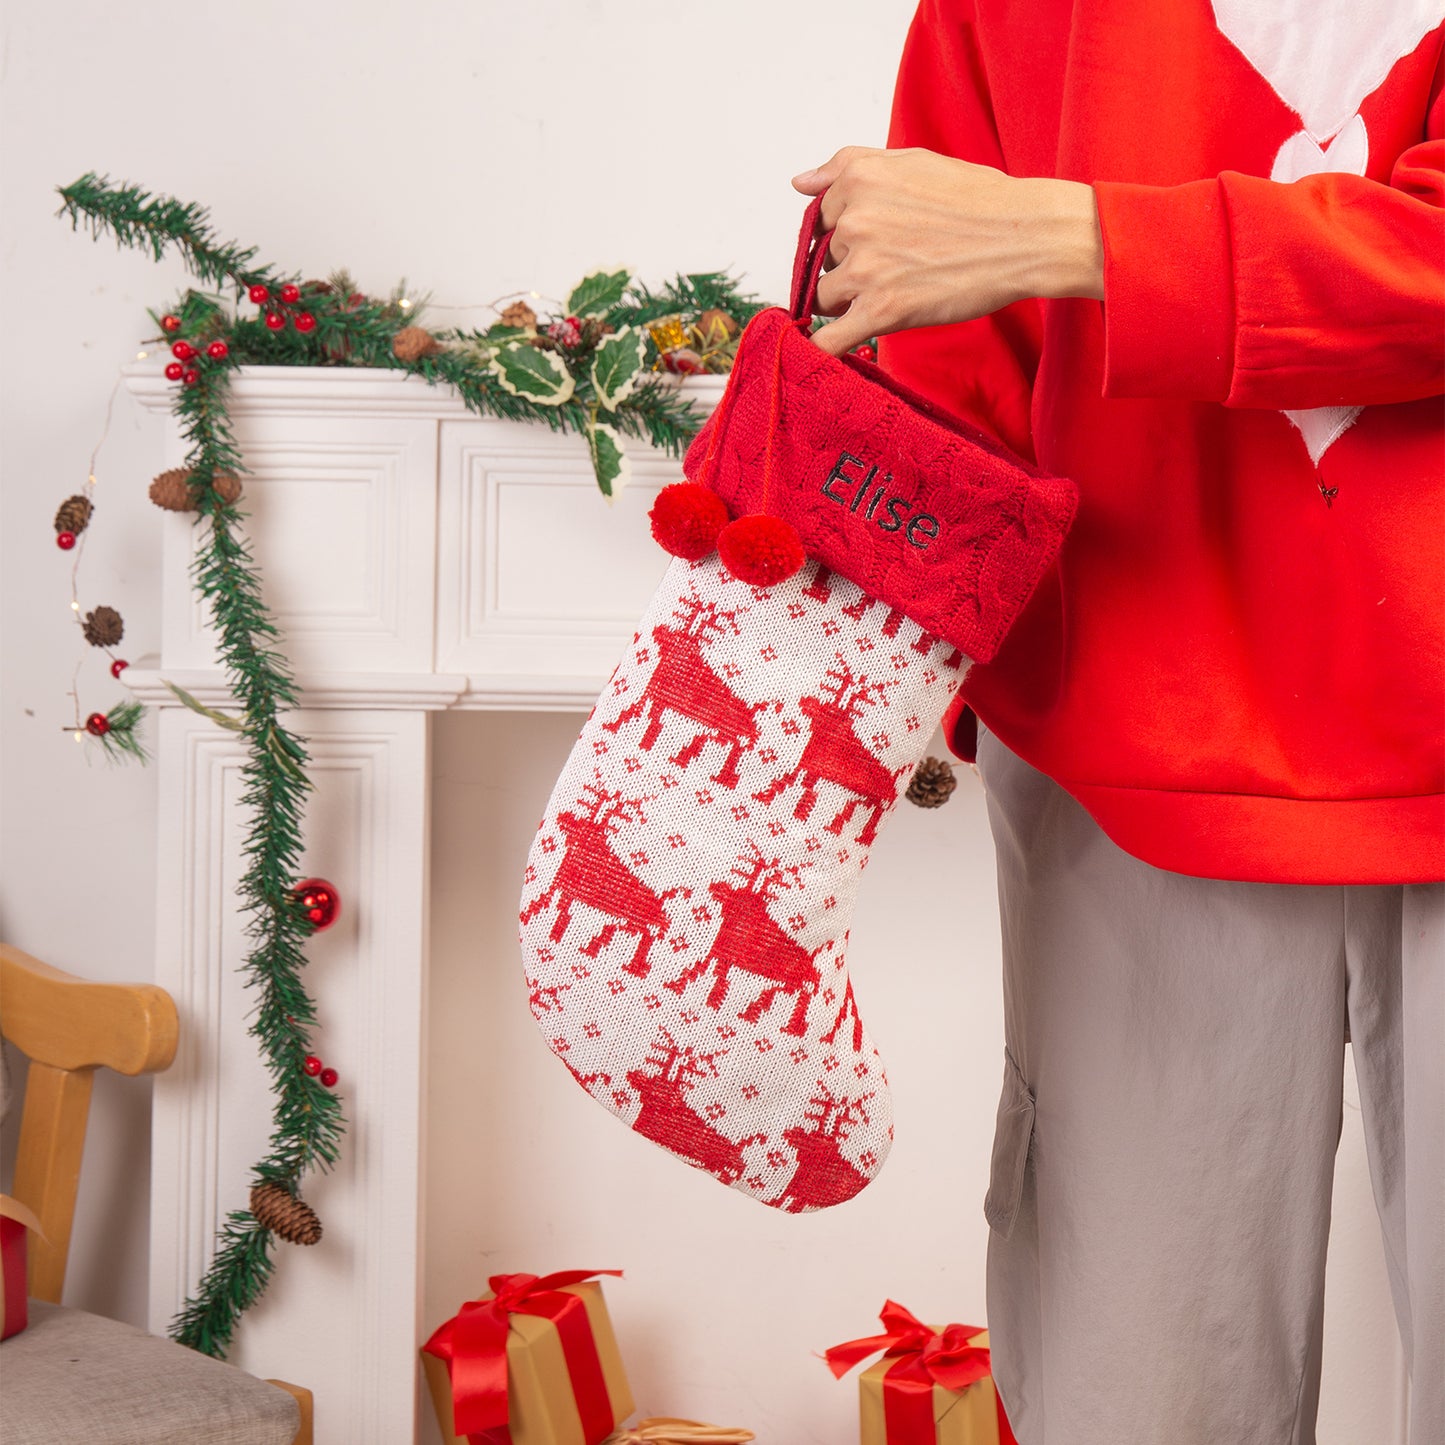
[(961, 1417), (540, 1403)]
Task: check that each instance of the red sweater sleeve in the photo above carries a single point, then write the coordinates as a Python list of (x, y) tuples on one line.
[(982, 370), (1328, 291)]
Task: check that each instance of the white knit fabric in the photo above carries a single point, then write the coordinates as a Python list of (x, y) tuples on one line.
[(686, 905)]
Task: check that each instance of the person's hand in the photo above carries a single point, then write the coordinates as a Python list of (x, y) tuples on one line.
[(923, 240)]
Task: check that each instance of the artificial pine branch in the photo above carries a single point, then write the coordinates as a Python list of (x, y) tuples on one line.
[(688, 294), (306, 1120), (139, 220), (122, 739)]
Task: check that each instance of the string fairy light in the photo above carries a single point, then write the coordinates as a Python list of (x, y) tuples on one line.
[(96, 724)]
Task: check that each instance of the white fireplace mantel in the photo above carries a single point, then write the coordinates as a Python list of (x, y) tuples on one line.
[(416, 558)]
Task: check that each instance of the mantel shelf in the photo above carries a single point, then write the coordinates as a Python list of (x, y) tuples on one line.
[(413, 692)]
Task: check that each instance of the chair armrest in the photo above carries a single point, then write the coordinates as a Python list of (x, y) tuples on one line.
[(305, 1431), (55, 1018)]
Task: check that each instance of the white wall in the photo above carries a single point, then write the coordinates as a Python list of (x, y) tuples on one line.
[(478, 148)]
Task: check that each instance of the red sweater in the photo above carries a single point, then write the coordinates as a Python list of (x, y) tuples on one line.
[(1238, 664)]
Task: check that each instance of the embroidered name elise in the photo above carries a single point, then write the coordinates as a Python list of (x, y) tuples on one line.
[(848, 491)]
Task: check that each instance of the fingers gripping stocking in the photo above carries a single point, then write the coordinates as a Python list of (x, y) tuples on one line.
[(687, 899)]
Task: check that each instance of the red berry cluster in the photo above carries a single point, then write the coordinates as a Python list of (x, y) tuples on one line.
[(188, 359), (317, 1070), (567, 332), (279, 313)]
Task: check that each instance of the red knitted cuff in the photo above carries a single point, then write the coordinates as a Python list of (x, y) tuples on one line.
[(921, 510)]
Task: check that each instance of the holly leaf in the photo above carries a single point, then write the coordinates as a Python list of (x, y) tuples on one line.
[(609, 461), (498, 331), (598, 292), (617, 364), (527, 371)]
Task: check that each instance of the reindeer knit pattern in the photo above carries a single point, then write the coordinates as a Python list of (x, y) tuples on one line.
[(687, 899)]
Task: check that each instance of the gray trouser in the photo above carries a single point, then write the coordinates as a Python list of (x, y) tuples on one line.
[(1159, 1200)]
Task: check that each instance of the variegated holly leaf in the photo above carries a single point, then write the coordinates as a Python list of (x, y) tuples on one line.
[(609, 460), (540, 376), (597, 292), (617, 364)]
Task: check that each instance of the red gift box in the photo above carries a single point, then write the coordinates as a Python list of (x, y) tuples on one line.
[(932, 1386), (16, 1222), (534, 1363)]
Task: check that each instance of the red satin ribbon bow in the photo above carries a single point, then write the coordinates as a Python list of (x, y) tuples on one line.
[(925, 1357), (474, 1345)]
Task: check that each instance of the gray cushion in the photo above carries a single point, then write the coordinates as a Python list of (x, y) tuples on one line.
[(73, 1376)]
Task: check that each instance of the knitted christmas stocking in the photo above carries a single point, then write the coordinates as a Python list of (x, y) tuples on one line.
[(686, 903), (688, 896)]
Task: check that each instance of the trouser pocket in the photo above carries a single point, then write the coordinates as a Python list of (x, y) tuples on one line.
[(1013, 1134)]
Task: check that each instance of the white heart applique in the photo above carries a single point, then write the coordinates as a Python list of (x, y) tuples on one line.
[(1301, 155), (1323, 57)]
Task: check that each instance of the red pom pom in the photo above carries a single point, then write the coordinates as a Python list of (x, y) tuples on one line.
[(686, 519), (761, 550)]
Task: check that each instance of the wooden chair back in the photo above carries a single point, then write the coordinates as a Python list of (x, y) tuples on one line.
[(68, 1027)]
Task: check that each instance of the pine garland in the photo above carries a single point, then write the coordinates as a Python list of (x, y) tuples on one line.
[(347, 328)]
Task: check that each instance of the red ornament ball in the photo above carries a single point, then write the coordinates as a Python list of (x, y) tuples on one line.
[(65, 540), (259, 294), (192, 376), (182, 350), (329, 1077), (118, 666), (218, 351), (290, 294), (761, 550), (865, 352), (306, 322), (312, 1065), (97, 724), (686, 519), (174, 371), (320, 901), (170, 323), (275, 321)]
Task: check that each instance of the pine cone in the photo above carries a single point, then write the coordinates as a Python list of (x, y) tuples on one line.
[(716, 327), (519, 314), (103, 627), (411, 343), (277, 1209), (173, 491), (73, 514), (932, 783)]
